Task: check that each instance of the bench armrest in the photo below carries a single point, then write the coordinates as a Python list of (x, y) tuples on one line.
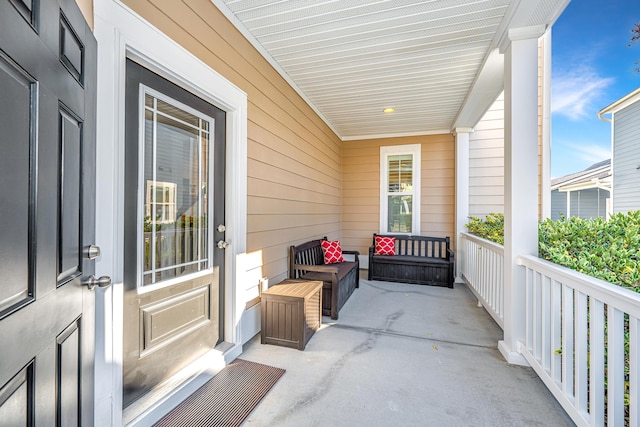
[(450, 254)]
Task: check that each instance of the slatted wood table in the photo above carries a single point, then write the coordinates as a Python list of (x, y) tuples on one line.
[(291, 312)]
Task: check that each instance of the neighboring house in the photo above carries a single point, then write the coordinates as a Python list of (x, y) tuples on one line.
[(179, 113), (625, 143), (584, 194)]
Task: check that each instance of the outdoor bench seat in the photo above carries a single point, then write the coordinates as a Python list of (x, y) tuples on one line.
[(422, 260), (339, 280)]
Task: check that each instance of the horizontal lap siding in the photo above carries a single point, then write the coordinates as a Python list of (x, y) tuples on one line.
[(486, 162), (294, 159), (626, 159), (361, 188)]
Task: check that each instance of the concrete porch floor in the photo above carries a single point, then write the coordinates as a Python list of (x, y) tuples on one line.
[(403, 355)]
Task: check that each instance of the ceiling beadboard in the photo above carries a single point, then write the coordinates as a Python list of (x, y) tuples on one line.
[(352, 58)]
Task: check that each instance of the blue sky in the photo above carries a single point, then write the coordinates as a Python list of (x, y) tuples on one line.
[(592, 66)]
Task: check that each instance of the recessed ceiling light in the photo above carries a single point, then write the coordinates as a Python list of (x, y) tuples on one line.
[(389, 110)]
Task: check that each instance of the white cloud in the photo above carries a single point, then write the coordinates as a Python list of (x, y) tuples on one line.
[(575, 93), (591, 153), (572, 157)]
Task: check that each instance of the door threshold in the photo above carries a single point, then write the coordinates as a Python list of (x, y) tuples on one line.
[(148, 409)]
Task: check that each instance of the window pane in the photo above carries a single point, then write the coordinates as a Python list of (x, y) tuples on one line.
[(178, 114), (176, 168), (400, 214), (400, 173)]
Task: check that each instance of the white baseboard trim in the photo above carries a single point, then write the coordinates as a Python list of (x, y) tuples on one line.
[(250, 323)]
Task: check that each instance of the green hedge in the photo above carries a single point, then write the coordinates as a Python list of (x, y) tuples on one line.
[(608, 250), (490, 228)]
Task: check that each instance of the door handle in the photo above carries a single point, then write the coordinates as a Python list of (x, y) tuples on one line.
[(222, 244), (101, 282)]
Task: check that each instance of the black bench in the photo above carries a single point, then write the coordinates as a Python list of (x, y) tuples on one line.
[(421, 260), (339, 280)]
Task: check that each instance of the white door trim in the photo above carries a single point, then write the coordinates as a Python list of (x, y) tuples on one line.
[(121, 33)]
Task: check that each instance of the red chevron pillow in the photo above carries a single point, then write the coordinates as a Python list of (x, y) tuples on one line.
[(385, 245), (332, 251)]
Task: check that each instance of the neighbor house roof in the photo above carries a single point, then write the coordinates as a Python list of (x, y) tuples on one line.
[(621, 103), (597, 175)]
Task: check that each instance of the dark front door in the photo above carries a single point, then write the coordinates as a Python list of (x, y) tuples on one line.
[(47, 162), (174, 217)]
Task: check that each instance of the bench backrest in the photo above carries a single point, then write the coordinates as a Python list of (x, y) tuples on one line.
[(423, 246), (308, 253)]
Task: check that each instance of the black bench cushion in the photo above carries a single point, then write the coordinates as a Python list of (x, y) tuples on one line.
[(408, 259), (343, 269)]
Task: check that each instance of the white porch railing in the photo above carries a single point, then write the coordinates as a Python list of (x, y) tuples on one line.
[(582, 334), (582, 339), (482, 268)]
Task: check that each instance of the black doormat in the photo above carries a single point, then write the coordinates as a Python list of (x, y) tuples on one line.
[(227, 399)]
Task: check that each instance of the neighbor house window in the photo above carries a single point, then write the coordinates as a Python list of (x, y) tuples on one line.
[(400, 189), (161, 201)]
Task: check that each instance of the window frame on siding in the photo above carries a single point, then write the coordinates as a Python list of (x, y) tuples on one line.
[(413, 150)]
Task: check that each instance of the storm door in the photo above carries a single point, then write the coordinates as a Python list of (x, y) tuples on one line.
[(174, 217), (47, 214)]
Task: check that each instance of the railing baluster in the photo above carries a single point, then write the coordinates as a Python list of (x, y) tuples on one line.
[(535, 314), (615, 367), (581, 361), (568, 355), (634, 371), (528, 310), (596, 362), (556, 332), (547, 351)]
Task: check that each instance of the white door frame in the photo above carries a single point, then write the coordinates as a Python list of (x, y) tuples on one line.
[(122, 34)]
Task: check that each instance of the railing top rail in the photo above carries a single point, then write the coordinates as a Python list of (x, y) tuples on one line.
[(621, 298), (484, 242)]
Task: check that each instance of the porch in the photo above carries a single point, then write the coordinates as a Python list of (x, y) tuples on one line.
[(403, 355), (294, 177)]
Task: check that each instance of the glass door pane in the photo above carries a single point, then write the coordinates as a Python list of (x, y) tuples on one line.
[(175, 174)]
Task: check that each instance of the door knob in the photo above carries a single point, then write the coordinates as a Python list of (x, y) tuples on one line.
[(222, 244), (101, 282)]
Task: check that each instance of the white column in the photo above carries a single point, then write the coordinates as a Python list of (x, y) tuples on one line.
[(462, 193), (520, 178)]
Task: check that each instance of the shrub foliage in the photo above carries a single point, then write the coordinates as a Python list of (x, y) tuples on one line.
[(608, 250), (490, 228)]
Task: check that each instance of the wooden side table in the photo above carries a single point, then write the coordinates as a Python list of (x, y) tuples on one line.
[(291, 312)]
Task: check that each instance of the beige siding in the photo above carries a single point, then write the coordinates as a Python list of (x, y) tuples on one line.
[(486, 162), (294, 158), (361, 188), (86, 7)]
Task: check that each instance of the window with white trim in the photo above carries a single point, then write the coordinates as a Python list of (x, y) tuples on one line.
[(400, 189)]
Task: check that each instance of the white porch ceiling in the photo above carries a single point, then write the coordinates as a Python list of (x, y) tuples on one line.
[(434, 61)]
